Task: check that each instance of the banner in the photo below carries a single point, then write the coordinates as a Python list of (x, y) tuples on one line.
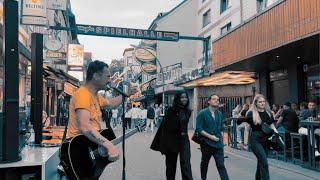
[(57, 4), (75, 55)]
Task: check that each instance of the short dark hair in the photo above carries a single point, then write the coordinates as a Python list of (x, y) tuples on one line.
[(95, 67), (209, 98)]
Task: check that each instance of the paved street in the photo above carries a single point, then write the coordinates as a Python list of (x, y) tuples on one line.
[(145, 164)]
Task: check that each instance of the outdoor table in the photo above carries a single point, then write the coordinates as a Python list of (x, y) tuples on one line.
[(311, 125)]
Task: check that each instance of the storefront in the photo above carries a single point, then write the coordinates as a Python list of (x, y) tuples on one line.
[(285, 56)]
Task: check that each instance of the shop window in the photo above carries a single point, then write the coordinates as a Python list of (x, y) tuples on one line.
[(313, 87)]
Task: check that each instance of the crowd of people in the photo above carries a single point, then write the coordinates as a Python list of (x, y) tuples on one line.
[(137, 116)]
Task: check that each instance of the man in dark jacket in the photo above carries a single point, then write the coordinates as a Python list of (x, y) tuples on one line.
[(288, 120), (210, 125)]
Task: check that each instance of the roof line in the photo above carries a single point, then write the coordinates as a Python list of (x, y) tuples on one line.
[(158, 18)]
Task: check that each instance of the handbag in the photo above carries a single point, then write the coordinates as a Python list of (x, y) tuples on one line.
[(197, 138), (266, 129)]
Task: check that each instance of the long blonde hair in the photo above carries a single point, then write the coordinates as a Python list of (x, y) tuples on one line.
[(255, 114)]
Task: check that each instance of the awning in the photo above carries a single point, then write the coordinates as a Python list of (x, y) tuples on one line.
[(168, 88), (58, 73), (223, 78)]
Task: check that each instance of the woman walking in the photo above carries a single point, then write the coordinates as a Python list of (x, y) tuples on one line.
[(261, 120), (172, 137)]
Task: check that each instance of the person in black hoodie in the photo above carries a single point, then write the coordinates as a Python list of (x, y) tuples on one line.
[(172, 138)]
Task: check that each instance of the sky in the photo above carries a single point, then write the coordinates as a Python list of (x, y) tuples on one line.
[(118, 13)]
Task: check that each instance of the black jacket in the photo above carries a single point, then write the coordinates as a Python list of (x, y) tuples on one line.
[(169, 135)]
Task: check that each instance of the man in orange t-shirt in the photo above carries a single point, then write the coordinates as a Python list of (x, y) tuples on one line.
[(85, 116)]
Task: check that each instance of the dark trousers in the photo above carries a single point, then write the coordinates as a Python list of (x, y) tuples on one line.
[(127, 122), (258, 149), (184, 156), (218, 154)]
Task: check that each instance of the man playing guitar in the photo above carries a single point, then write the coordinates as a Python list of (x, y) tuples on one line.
[(85, 115)]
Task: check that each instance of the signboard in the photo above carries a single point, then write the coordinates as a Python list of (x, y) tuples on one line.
[(57, 4), (29, 20), (34, 8), (127, 32), (76, 74), (75, 55), (171, 74), (34, 12), (149, 68), (145, 54), (53, 44), (56, 55)]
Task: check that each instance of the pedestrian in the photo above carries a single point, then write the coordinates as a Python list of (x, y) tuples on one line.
[(151, 114), (114, 117), (45, 119), (135, 114), (172, 137), (127, 118), (260, 115), (209, 123), (144, 113), (157, 115), (243, 126)]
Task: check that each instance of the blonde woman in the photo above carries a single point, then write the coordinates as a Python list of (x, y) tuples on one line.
[(260, 114)]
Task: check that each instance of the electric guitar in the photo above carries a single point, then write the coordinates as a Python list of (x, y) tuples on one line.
[(80, 158)]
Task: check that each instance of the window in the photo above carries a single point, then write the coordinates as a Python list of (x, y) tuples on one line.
[(206, 18), (224, 5), (225, 28), (261, 5)]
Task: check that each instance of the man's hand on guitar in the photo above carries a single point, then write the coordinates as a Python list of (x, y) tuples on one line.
[(111, 151)]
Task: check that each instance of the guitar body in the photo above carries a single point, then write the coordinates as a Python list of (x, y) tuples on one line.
[(78, 159)]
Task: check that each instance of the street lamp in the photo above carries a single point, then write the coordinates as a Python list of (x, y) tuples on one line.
[(161, 71)]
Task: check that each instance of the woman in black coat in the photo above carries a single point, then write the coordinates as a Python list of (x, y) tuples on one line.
[(172, 137)]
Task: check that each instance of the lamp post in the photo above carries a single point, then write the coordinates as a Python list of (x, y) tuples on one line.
[(161, 71)]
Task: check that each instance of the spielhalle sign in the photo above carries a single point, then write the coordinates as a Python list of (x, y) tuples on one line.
[(126, 32)]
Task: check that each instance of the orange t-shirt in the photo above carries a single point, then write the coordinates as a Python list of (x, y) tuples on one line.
[(84, 99)]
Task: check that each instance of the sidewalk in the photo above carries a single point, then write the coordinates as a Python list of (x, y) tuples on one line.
[(278, 164)]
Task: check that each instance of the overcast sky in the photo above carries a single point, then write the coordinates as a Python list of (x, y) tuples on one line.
[(119, 13)]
